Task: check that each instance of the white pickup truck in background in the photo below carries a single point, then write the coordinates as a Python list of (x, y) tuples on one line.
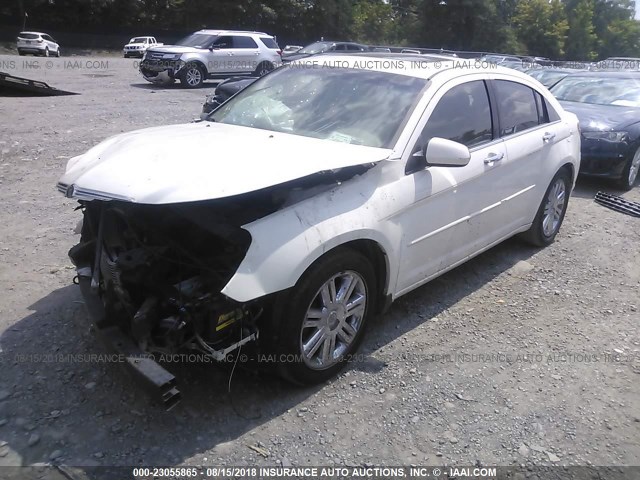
[(138, 45)]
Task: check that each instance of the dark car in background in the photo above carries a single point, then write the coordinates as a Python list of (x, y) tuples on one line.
[(324, 47), (608, 107), (550, 76), (223, 92)]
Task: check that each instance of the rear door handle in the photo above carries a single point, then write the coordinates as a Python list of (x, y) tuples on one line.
[(547, 137), (493, 157)]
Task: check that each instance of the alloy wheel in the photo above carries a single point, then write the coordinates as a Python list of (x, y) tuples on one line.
[(634, 169), (554, 208), (333, 320), (193, 77)]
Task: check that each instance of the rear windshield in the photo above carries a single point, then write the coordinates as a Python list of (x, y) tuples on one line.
[(269, 43), (29, 36), (138, 40)]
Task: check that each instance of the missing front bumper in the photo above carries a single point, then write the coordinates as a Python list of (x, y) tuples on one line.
[(159, 382)]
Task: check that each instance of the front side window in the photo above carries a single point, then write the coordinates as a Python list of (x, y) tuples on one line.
[(197, 40), (517, 107), (463, 115), (223, 42)]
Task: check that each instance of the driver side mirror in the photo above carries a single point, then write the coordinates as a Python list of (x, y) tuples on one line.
[(439, 152)]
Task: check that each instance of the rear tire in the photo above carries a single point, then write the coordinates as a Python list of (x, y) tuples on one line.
[(263, 68), (551, 212), (321, 321), (630, 172), (58, 52)]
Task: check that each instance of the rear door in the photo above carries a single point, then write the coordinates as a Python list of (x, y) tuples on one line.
[(529, 136), (245, 54)]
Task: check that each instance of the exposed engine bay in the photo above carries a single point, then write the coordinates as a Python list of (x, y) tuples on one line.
[(159, 270)]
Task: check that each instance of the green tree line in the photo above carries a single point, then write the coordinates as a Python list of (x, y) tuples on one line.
[(572, 29)]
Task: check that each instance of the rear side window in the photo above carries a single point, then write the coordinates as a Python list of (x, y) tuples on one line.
[(244, 42), (463, 115), (552, 115), (354, 48), (269, 43), (517, 107)]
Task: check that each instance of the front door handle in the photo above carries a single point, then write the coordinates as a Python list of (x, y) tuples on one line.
[(548, 136), (493, 157)]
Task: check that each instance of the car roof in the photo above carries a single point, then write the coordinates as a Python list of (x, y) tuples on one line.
[(420, 66), (35, 33), (231, 32)]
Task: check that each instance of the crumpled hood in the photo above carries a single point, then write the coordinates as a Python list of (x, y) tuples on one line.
[(205, 160), (595, 118)]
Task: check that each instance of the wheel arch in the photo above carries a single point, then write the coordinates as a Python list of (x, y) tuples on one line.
[(198, 62), (376, 254), (571, 168), (255, 278)]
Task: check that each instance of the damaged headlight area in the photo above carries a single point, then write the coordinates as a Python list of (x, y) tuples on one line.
[(158, 271)]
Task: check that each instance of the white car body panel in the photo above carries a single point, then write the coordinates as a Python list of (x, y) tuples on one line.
[(201, 161), (418, 246), (425, 223)]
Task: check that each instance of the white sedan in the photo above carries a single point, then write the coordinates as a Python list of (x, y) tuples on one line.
[(311, 200)]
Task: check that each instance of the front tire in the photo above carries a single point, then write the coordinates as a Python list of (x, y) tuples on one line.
[(322, 320), (46, 52), (551, 212), (630, 172), (192, 76)]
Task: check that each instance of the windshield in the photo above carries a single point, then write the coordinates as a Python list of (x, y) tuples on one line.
[(344, 105), (138, 40), (197, 40), (317, 47), (618, 91)]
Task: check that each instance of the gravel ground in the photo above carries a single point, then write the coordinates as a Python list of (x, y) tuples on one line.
[(521, 356)]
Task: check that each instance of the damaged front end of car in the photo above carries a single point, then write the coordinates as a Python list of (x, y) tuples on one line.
[(151, 276)]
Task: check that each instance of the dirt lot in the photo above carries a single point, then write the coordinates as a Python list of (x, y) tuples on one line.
[(521, 356)]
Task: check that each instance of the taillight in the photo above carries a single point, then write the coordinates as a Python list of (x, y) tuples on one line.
[(280, 52), (40, 40)]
